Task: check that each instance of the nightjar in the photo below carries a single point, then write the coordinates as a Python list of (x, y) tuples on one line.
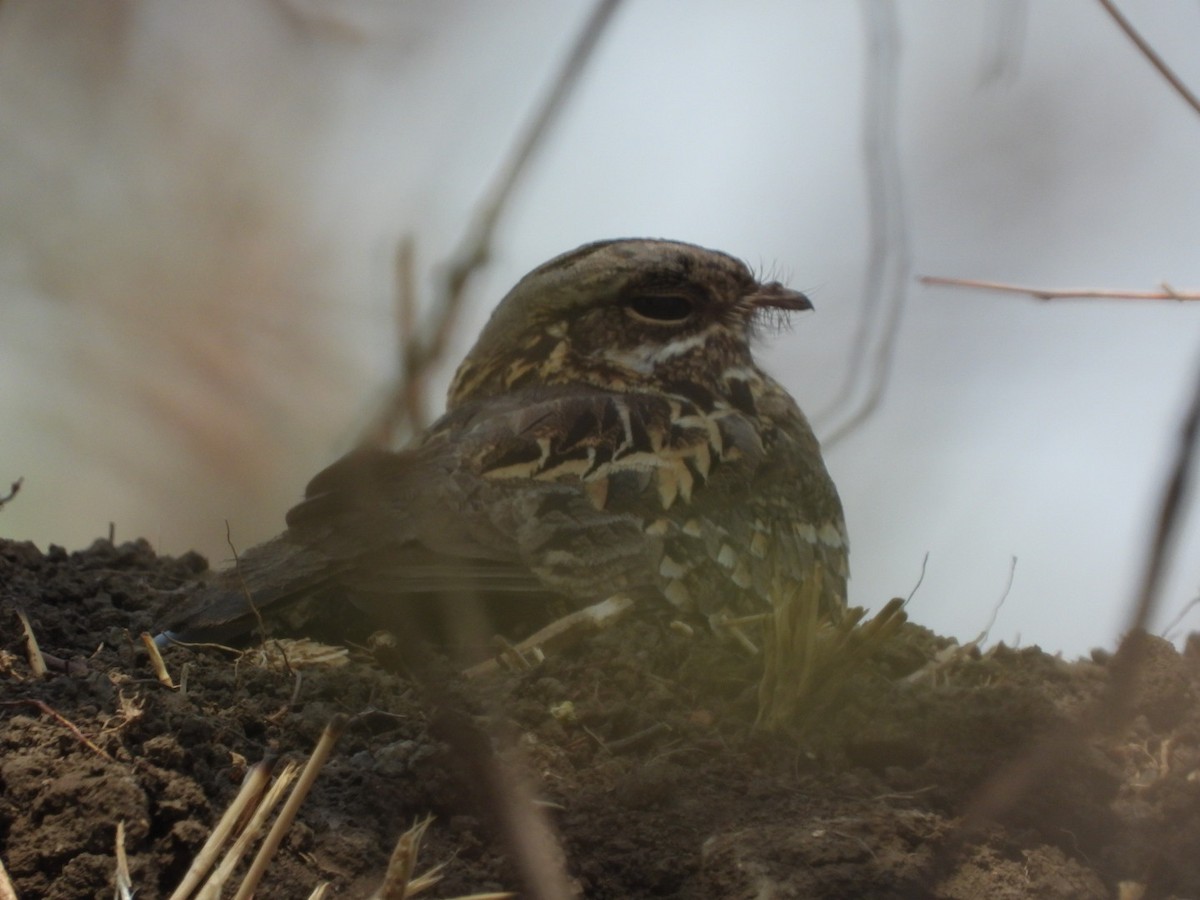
[(609, 432)]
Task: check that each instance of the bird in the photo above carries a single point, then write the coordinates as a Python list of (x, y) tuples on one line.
[(610, 432)]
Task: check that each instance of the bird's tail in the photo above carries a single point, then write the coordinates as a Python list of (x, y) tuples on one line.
[(270, 580)]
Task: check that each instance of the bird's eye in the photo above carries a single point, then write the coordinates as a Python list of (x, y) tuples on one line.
[(661, 307)]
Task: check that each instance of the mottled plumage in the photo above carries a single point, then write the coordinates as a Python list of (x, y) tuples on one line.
[(609, 432)]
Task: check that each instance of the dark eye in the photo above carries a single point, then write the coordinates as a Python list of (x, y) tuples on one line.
[(661, 307)]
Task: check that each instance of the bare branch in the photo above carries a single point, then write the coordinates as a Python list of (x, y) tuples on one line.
[(1167, 292), (405, 401), (12, 492), (1147, 51), (237, 569), (424, 351), (475, 248), (889, 265), (1175, 491)]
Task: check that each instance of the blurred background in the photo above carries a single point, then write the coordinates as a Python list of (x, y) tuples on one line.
[(201, 203)]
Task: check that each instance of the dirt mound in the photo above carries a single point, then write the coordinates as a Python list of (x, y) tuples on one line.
[(637, 744)]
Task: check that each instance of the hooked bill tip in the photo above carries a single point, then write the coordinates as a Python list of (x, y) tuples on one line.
[(770, 306), (775, 296)]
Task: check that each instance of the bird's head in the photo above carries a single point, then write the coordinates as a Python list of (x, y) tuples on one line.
[(625, 315)]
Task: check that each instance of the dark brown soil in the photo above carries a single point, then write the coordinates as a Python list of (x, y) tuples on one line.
[(638, 743)]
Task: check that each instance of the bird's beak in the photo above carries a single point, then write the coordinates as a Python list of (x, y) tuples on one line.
[(775, 296)]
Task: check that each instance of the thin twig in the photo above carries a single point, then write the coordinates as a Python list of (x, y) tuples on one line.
[(64, 721), (237, 570), (405, 401), (1175, 622), (12, 492), (1175, 491), (987, 629), (890, 259), (1167, 292), (920, 579), (1147, 51)]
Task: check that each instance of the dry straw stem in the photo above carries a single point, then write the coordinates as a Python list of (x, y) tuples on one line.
[(399, 883), (36, 661), (291, 806), (124, 886), (253, 784), (734, 627), (290, 655), (561, 633), (216, 883), (1166, 293), (7, 891), (156, 661)]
